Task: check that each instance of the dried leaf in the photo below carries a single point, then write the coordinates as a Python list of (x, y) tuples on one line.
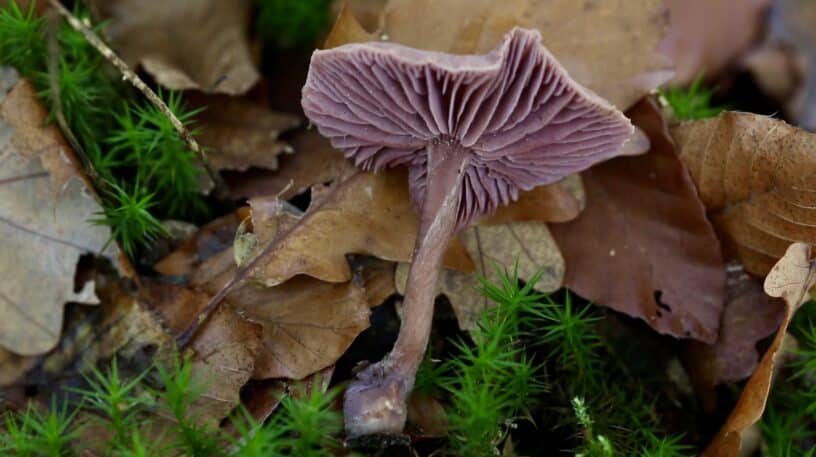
[(45, 206), (363, 213), (791, 279), (610, 47), (347, 30), (644, 241), (705, 36), (559, 202), (307, 324), (225, 348), (296, 172), (749, 317), (239, 133), (526, 245), (212, 238), (185, 44), (756, 176)]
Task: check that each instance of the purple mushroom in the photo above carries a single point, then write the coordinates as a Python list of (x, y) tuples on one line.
[(474, 131)]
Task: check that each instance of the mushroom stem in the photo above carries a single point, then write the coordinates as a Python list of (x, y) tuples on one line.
[(376, 402)]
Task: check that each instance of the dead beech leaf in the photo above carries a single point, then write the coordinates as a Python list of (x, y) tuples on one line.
[(705, 36), (347, 29), (791, 279), (494, 248), (610, 46), (644, 241), (362, 213), (307, 324), (756, 176), (368, 12), (45, 207), (562, 201), (185, 44), (224, 349), (212, 238), (239, 133), (749, 317), (296, 173)]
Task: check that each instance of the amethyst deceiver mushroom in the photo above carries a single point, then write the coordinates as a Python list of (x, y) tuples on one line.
[(474, 130)]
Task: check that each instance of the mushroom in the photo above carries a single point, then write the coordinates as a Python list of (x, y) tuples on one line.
[(474, 131)]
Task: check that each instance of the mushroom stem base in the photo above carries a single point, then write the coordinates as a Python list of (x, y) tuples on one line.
[(376, 402)]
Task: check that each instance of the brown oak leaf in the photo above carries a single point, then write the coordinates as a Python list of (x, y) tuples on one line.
[(643, 240), (610, 47), (791, 279), (756, 176), (45, 208), (185, 44)]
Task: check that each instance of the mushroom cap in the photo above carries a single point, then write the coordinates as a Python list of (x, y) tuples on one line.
[(523, 120)]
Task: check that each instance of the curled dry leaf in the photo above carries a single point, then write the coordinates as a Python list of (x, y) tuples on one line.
[(609, 47), (749, 317), (45, 206), (225, 348), (362, 213), (705, 36), (526, 245), (756, 176), (559, 202), (307, 324), (296, 172), (643, 240), (185, 44), (791, 279), (239, 133)]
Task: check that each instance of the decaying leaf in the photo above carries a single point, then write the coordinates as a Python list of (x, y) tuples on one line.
[(559, 202), (45, 208), (185, 44), (307, 324), (363, 213), (211, 239), (791, 279), (756, 176), (347, 29), (705, 36), (644, 242), (610, 46), (296, 172), (225, 348), (239, 133), (494, 248), (749, 317)]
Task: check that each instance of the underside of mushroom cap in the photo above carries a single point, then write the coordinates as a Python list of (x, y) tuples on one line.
[(523, 121)]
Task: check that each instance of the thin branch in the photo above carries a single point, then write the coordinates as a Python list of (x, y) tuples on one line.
[(130, 76)]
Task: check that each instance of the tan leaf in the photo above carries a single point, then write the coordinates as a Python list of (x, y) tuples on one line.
[(363, 213), (185, 44), (367, 11), (307, 324), (225, 356), (296, 172), (749, 317), (45, 208), (225, 347), (559, 202), (609, 46), (791, 279), (239, 133), (644, 241), (347, 30), (494, 248), (705, 36), (212, 238), (756, 176)]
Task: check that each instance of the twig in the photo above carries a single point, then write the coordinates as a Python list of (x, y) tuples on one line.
[(130, 76)]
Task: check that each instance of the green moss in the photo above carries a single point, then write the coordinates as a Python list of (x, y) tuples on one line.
[(145, 171), (292, 23), (692, 102)]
